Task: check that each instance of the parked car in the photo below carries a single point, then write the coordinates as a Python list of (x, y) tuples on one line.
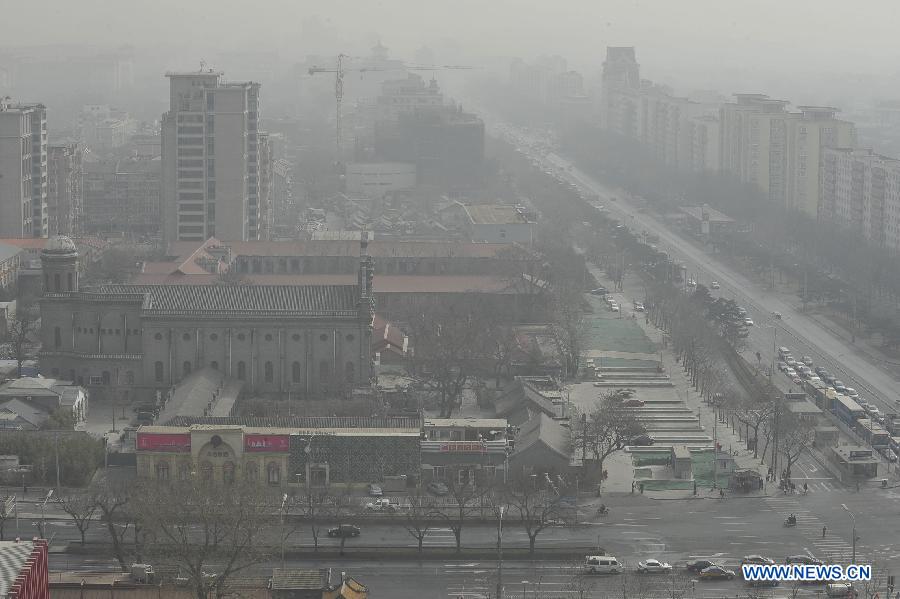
[(374, 490), (820, 370), (829, 379), (598, 291), (790, 372), (748, 322), (633, 403), (783, 351), (790, 361), (699, 565), (714, 285), (851, 393), (716, 572), (653, 566), (614, 307), (344, 530), (437, 488), (807, 360), (638, 307), (776, 315), (641, 440)]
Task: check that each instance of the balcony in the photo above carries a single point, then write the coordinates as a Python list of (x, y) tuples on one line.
[(469, 447)]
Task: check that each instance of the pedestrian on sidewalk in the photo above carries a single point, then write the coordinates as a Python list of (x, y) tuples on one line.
[(695, 487), (632, 487), (824, 529), (642, 488)]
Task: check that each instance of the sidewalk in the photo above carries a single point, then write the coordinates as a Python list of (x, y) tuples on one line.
[(729, 439)]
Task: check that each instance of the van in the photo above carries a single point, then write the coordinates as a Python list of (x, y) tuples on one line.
[(602, 564)]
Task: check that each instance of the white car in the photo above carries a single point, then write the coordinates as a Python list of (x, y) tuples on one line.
[(715, 285), (614, 307), (653, 566), (851, 393), (790, 372), (748, 321)]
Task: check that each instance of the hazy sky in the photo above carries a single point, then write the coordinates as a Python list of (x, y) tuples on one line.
[(694, 35)]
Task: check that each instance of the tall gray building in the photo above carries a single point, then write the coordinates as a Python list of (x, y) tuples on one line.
[(210, 159), (23, 170)]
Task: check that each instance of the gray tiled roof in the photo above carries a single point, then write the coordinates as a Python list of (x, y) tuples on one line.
[(271, 299), (547, 431), (306, 422)]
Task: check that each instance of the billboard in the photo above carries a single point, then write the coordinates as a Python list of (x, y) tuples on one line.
[(163, 441), (267, 443)]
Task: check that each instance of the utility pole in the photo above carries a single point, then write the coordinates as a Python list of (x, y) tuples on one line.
[(56, 442), (500, 555)]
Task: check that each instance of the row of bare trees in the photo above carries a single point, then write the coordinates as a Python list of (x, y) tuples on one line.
[(209, 533)]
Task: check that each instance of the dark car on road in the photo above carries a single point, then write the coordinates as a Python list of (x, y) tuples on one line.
[(715, 572), (641, 440), (344, 530), (699, 565)]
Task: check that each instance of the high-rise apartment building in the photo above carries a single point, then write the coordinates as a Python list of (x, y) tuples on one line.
[(122, 196), (23, 170), (210, 158), (64, 186), (861, 192)]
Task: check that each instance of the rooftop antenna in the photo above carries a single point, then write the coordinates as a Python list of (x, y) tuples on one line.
[(202, 65)]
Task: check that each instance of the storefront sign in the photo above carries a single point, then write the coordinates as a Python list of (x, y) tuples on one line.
[(164, 441), (464, 446), (267, 443)]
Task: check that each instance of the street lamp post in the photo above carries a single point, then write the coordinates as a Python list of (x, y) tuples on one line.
[(852, 519), (500, 555), (44, 503), (283, 502)]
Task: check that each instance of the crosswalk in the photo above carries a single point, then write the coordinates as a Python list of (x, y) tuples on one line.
[(814, 484), (830, 546)]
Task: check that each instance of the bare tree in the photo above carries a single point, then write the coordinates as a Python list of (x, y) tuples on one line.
[(447, 347), (112, 500), (7, 511), (568, 317), (318, 505), (420, 516), (21, 328), (609, 427), (469, 497), (207, 530), (536, 508), (753, 414), (795, 435), (81, 508)]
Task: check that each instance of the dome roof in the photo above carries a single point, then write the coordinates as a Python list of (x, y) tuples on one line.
[(60, 244)]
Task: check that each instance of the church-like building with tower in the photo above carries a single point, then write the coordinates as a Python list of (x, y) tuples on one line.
[(135, 340)]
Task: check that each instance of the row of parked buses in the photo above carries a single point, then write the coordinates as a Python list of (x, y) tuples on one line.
[(880, 431)]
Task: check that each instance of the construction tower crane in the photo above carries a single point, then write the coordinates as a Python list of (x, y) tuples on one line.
[(339, 70)]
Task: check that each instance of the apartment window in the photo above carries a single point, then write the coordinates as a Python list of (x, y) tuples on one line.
[(210, 146), (210, 124), (210, 190), (295, 372), (324, 370), (129, 377), (439, 473), (211, 211), (210, 168), (162, 470), (210, 101), (186, 368), (241, 371), (270, 372), (57, 337)]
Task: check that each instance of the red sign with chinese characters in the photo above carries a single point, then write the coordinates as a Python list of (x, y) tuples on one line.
[(164, 441), (465, 446), (267, 442)]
